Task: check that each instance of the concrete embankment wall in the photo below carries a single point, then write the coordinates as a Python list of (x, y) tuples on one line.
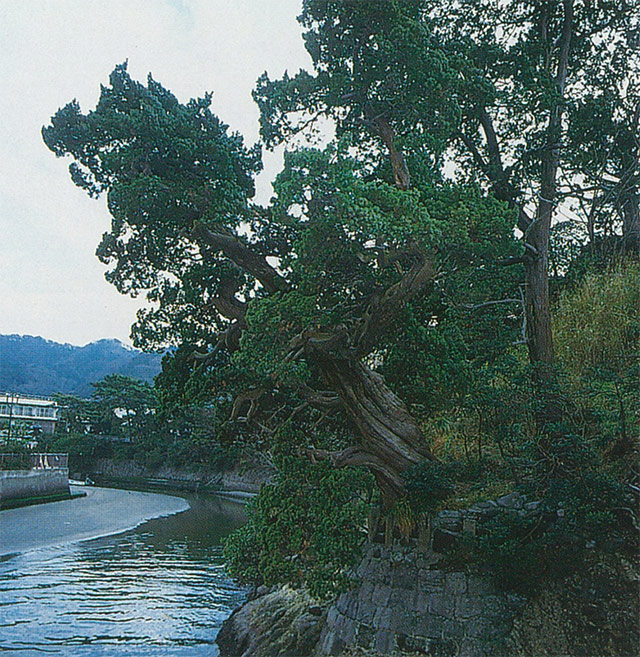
[(22, 484), (247, 478)]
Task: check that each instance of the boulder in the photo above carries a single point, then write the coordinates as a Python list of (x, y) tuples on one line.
[(280, 623)]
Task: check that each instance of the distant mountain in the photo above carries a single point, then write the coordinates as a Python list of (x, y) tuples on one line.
[(33, 365)]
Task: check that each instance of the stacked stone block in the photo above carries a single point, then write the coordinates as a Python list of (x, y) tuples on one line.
[(407, 601)]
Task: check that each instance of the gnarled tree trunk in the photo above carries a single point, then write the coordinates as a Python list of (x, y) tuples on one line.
[(390, 440)]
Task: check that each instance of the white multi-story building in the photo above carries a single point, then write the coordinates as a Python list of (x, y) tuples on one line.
[(42, 412)]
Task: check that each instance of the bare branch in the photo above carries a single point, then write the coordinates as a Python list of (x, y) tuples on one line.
[(468, 306), (523, 330), (382, 312), (252, 396), (398, 163), (356, 458), (320, 399), (243, 256), (511, 260), (475, 153), (230, 307), (565, 42), (495, 168)]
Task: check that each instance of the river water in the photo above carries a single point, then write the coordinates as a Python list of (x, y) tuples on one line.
[(158, 590)]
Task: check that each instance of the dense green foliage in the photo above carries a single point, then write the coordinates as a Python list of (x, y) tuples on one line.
[(118, 421), (304, 528), (126, 419), (583, 469), (166, 168), (381, 311)]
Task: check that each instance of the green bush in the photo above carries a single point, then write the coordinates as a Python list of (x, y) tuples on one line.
[(306, 528), (583, 505), (83, 449), (428, 484)]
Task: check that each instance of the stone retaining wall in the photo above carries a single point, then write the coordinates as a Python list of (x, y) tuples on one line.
[(449, 525), (406, 601), (404, 598)]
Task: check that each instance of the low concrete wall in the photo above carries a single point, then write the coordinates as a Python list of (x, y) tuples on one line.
[(20, 484), (245, 479)]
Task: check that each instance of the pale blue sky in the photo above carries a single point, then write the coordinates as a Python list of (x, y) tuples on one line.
[(51, 283)]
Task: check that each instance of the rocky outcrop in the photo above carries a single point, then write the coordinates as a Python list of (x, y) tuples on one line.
[(406, 600), (274, 623)]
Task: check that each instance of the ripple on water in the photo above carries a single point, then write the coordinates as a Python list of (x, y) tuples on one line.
[(157, 591)]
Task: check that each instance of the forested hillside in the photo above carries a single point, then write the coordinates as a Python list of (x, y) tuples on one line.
[(33, 365)]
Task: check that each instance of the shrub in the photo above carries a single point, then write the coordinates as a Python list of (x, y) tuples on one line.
[(306, 528)]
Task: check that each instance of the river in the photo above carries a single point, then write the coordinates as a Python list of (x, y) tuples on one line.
[(157, 590)]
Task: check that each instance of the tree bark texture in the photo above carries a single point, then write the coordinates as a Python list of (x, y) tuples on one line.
[(630, 211), (390, 440), (538, 314), (536, 237)]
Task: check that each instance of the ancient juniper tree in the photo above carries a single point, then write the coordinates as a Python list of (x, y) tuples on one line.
[(310, 298)]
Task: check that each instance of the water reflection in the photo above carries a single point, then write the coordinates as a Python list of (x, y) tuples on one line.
[(158, 590)]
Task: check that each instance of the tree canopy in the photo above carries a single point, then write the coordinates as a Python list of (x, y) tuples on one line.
[(537, 102), (398, 274), (308, 294)]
